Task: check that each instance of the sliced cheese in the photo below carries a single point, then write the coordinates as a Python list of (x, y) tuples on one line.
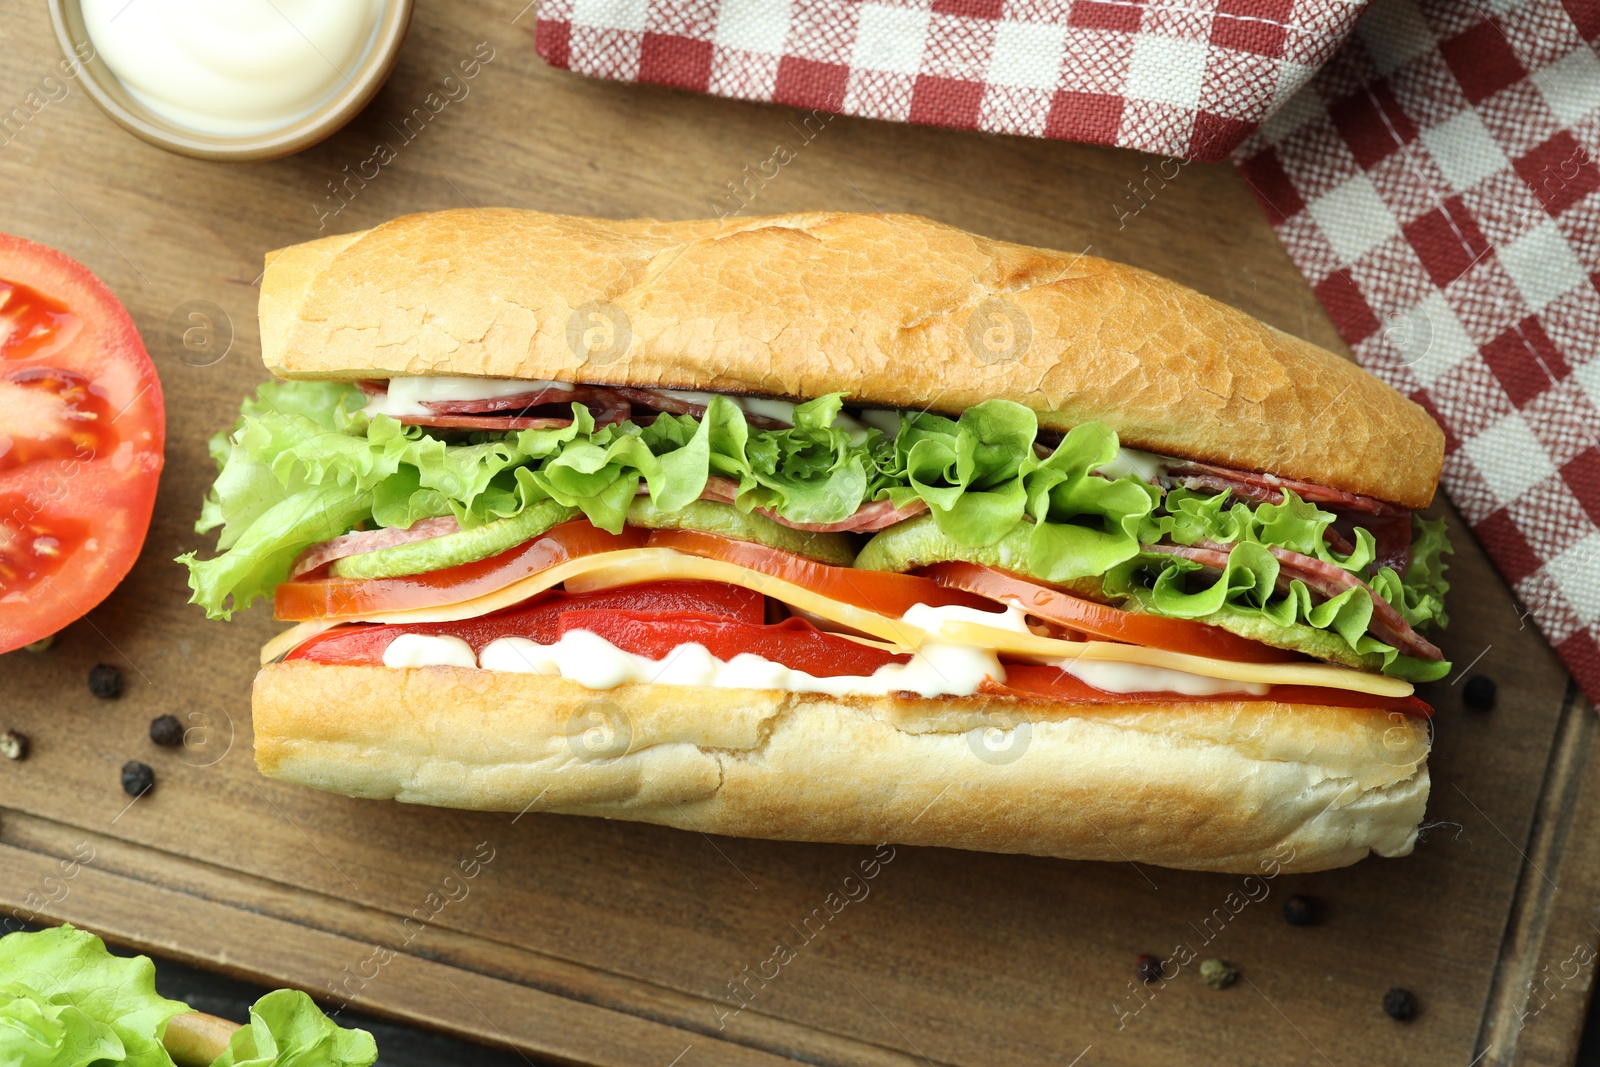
[(1321, 674), (664, 564), (632, 566)]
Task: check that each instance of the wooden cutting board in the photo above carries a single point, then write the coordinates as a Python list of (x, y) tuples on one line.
[(585, 941)]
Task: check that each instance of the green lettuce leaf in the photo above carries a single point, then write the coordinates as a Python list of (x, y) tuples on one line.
[(1164, 585), (1188, 516), (305, 464), (981, 476), (67, 1002), (287, 1029)]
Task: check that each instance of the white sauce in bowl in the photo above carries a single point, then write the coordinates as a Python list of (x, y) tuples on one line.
[(233, 67)]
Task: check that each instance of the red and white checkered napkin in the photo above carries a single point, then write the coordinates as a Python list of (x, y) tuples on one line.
[(1188, 78), (1438, 184)]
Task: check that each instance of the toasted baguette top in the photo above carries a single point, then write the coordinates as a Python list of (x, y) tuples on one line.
[(894, 309)]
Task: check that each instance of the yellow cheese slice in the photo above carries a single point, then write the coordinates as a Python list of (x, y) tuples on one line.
[(632, 566), (1322, 674)]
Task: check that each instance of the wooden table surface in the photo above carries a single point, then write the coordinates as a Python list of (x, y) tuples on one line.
[(592, 942)]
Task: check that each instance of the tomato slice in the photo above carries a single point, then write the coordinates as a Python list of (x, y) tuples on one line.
[(1101, 620), (82, 429), (328, 598), (541, 620), (1032, 682), (881, 591), (794, 643)]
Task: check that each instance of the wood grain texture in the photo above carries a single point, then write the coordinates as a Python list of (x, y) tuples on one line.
[(593, 942)]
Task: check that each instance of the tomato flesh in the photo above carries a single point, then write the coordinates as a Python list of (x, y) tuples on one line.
[(1104, 621), (33, 546), (50, 413), (540, 620), (880, 591), (331, 598), (82, 432), (794, 643), (32, 324)]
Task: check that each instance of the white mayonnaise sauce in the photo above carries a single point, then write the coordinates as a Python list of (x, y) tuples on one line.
[(405, 395), (935, 670), (428, 650), (593, 662), (1137, 678), (233, 67)]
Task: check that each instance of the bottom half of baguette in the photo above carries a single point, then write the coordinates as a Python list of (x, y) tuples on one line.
[(1214, 784)]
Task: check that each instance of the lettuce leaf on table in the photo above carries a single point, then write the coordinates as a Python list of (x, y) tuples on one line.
[(67, 1002), (287, 1029)]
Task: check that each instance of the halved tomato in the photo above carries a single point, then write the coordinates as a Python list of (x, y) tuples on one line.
[(82, 429), (885, 592), (1101, 620), (324, 598)]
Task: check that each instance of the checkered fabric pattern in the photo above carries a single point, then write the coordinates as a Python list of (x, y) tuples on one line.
[(1437, 184), (1185, 78)]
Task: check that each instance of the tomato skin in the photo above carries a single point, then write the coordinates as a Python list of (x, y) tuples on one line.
[(1026, 681), (324, 598), (794, 643), (1102, 620), (886, 593), (60, 327), (540, 620)]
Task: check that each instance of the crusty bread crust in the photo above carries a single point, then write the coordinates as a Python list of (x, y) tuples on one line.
[(895, 309), (1216, 785)]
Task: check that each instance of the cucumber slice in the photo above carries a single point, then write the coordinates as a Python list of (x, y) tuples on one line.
[(708, 516), (452, 550)]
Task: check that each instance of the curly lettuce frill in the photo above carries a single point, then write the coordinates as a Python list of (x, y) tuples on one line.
[(305, 464)]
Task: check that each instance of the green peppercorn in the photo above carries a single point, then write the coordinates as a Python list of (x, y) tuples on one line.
[(1218, 975), (13, 745), (41, 645)]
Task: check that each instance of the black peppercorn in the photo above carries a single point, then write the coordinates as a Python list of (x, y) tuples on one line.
[(1478, 693), (1299, 911), (1400, 1004), (166, 730), (137, 778), (13, 745), (105, 681), (1149, 969)]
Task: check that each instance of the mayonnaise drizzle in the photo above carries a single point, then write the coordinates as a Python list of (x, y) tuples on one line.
[(595, 663), (934, 670)]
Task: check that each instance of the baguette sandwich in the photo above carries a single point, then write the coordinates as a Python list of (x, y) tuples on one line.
[(829, 527)]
